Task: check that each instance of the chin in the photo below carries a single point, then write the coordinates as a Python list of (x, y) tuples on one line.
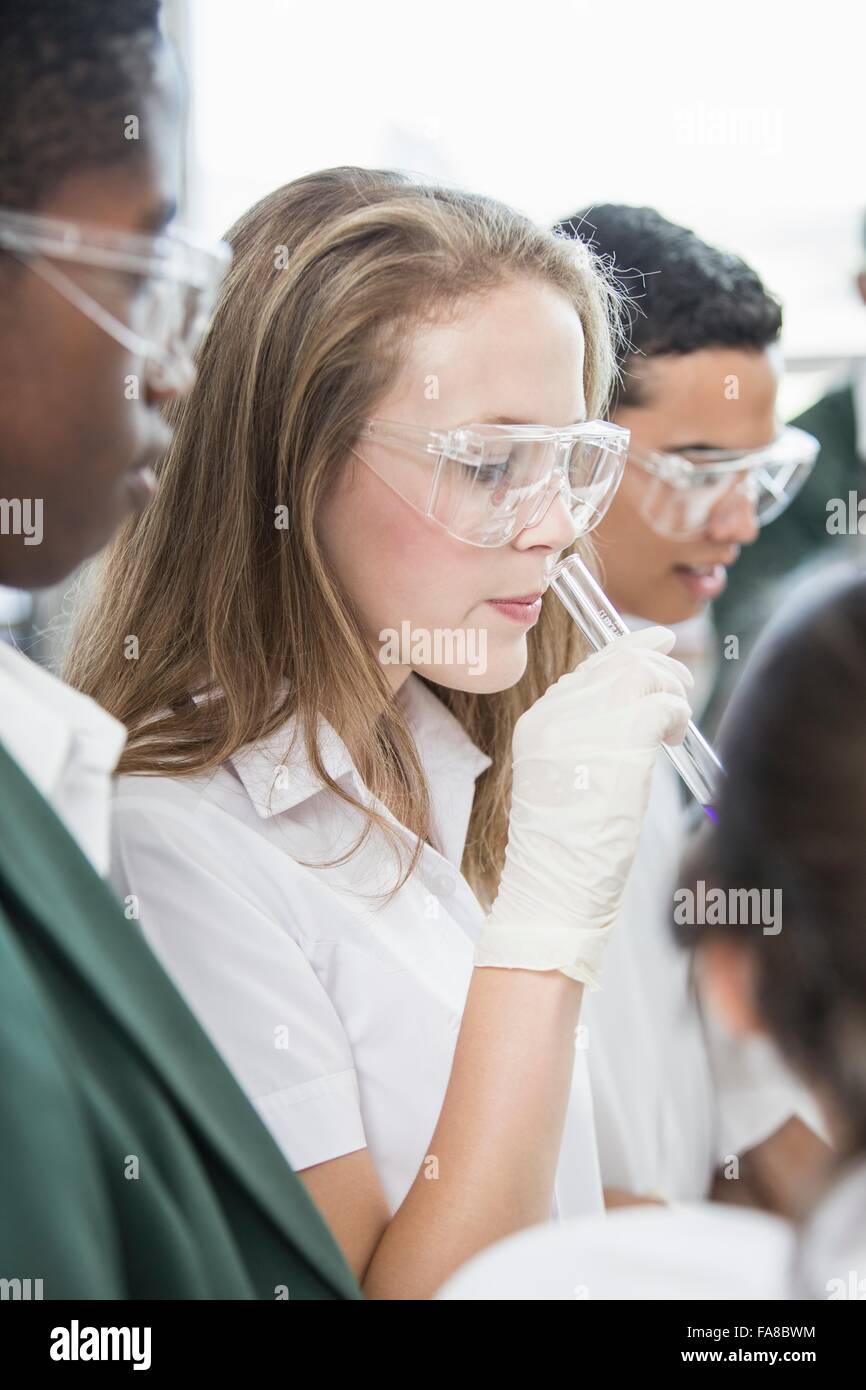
[(485, 676), (680, 613), (666, 607), (40, 567)]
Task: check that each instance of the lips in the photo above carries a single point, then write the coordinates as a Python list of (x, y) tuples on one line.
[(704, 582), (715, 562), (525, 610), (700, 569)]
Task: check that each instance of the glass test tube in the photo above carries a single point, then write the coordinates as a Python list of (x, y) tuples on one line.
[(600, 624)]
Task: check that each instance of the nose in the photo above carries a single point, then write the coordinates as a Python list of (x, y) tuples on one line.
[(733, 518), (555, 529)]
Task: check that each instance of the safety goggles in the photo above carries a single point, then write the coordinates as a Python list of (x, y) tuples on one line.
[(486, 483), (683, 489), (156, 293)]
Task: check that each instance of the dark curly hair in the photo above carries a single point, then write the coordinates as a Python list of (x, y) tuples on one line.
[(69, 74), (680, 294), (792, 818)]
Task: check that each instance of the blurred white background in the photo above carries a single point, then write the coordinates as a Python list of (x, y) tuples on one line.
[(744, 121)]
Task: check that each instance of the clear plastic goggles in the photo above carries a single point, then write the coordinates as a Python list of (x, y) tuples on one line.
[(486, 483), (155, 293), (683, 489)]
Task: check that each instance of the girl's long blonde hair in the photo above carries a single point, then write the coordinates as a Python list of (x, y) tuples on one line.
[(331, 274)]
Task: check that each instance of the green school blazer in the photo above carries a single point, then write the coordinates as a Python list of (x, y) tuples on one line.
[(801, 530), (799, 535), (132, 1165)]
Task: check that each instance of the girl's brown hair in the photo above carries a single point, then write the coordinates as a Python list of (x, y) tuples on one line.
[(331, 274)]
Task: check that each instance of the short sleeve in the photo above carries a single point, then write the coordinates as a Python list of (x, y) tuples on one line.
[(756, 1092), (192, 872)]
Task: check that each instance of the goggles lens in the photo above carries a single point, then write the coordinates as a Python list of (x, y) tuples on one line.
[(154, 294), (488, 483), (682, 491), (172, 318)]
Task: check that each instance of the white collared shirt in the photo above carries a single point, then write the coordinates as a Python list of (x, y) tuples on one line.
[(693, 1250), (675, 1095), (66, 744), (830, 1260), (338, 1018), (654, 1099)]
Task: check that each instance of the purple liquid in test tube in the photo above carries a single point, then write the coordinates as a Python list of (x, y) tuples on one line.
[(600, 624)]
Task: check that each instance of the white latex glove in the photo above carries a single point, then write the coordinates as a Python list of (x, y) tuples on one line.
[(583, 757)]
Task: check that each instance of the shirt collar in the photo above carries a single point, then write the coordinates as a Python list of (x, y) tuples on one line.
[(276, 783), (45, 725)]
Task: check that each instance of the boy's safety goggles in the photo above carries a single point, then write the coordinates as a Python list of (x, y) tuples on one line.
[(683, 489), (155, 293), (486, 483)]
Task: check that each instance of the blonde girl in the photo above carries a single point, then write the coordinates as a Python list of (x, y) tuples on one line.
[(371, 818)]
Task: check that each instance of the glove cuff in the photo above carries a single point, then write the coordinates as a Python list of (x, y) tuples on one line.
[(575, 951)]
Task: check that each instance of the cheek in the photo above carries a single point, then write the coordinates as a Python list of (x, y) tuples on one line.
[(88, 416), (625, 541), (395, 564), (70, 436)]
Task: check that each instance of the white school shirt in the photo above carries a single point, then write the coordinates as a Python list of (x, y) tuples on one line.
[(830, 1257), (696, 1251), (684, 1252), (675, 1095), (65, 744), (338, 1019), (654, 1097)]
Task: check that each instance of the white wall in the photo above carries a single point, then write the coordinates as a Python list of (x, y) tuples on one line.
[(743, 120)]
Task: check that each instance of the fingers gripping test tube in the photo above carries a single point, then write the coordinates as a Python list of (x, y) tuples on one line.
[(600, 624)]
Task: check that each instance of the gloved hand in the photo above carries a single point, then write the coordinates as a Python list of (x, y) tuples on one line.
[(583, 757)]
